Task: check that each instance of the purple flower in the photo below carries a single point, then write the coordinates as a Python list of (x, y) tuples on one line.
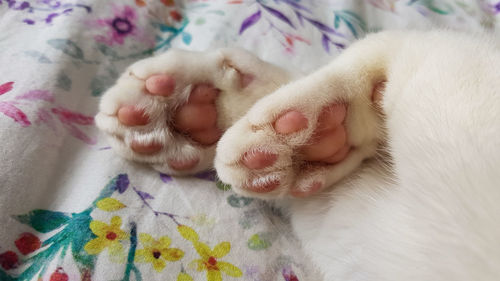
[(119, 27)]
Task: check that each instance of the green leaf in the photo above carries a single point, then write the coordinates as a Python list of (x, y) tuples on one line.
[(107, 51), (353, 15), (80, 235), (261, 241), (67, 46), (249, 218), (63, 82), (222, 186), (186, 38), (438, 7), (351, 20), (5, 277), (200, 21), (336, 22), (217, 12), (36, 54), (100, 84), (351, 28), (43, 220), (238, 201)]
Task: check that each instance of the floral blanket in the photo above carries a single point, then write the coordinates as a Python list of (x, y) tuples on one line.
[(70, 209)]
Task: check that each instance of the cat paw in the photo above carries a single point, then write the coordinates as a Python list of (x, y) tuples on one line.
[(169, 111), (305, 137)]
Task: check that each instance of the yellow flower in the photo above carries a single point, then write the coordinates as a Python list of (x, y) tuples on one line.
[(210, 261), (157, 252), (209, 258), (108, 236), (184, 277)]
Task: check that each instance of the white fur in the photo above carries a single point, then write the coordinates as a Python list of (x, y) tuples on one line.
[(425, 206), (434, 213)]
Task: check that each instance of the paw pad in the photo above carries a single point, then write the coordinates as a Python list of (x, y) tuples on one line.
[(290, 122), (258, 159)]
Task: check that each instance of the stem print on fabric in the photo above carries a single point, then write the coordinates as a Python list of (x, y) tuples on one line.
[(423, 6), (58, 236), (302, 16)]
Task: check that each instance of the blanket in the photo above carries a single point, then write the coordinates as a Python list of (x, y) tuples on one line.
[(70, 209)]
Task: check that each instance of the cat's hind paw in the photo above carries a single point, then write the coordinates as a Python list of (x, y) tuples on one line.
[(304, 137), (169, 111)]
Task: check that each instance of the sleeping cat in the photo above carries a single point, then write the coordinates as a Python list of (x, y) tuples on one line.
[(387, 158)]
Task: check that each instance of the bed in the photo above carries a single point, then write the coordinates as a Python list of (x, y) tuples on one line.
[(70, 209)]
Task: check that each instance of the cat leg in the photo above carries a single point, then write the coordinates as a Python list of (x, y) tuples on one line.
[(314, 131), (433, 215), (169, 111)]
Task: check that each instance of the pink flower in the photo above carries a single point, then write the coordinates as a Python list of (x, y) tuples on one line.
[(122, 25)]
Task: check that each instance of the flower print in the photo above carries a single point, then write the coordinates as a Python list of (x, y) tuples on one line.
[(10, 109), (168, 3), (157, 252), (9, 260), (108, 236), (121, 26), (386, 5), (4, 88), (210, 261), (209, 258), (140, 3), (183, 276)]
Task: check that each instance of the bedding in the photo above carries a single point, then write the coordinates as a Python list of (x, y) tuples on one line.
[(70, 209)]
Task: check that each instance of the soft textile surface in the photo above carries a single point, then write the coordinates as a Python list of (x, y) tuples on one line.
[(71, 210)]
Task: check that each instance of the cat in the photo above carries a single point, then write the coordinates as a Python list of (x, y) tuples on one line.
[(386, 159)]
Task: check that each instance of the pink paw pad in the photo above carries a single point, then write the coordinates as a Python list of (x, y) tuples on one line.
[(195, 117), (160, 85), (290, 122), (182, 165), (338, 156), (203, 94), (146, 149), (255, 159), (131, 116)]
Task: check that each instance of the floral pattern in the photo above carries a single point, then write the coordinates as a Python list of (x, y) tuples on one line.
[(89, 237), (108, 236), (210, 261), (157, 252), (47, 112), (43, 11), (121, 26), (210, 258), (71, 210)]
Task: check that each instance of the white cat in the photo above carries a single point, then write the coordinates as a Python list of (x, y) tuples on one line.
[(421, 108)]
